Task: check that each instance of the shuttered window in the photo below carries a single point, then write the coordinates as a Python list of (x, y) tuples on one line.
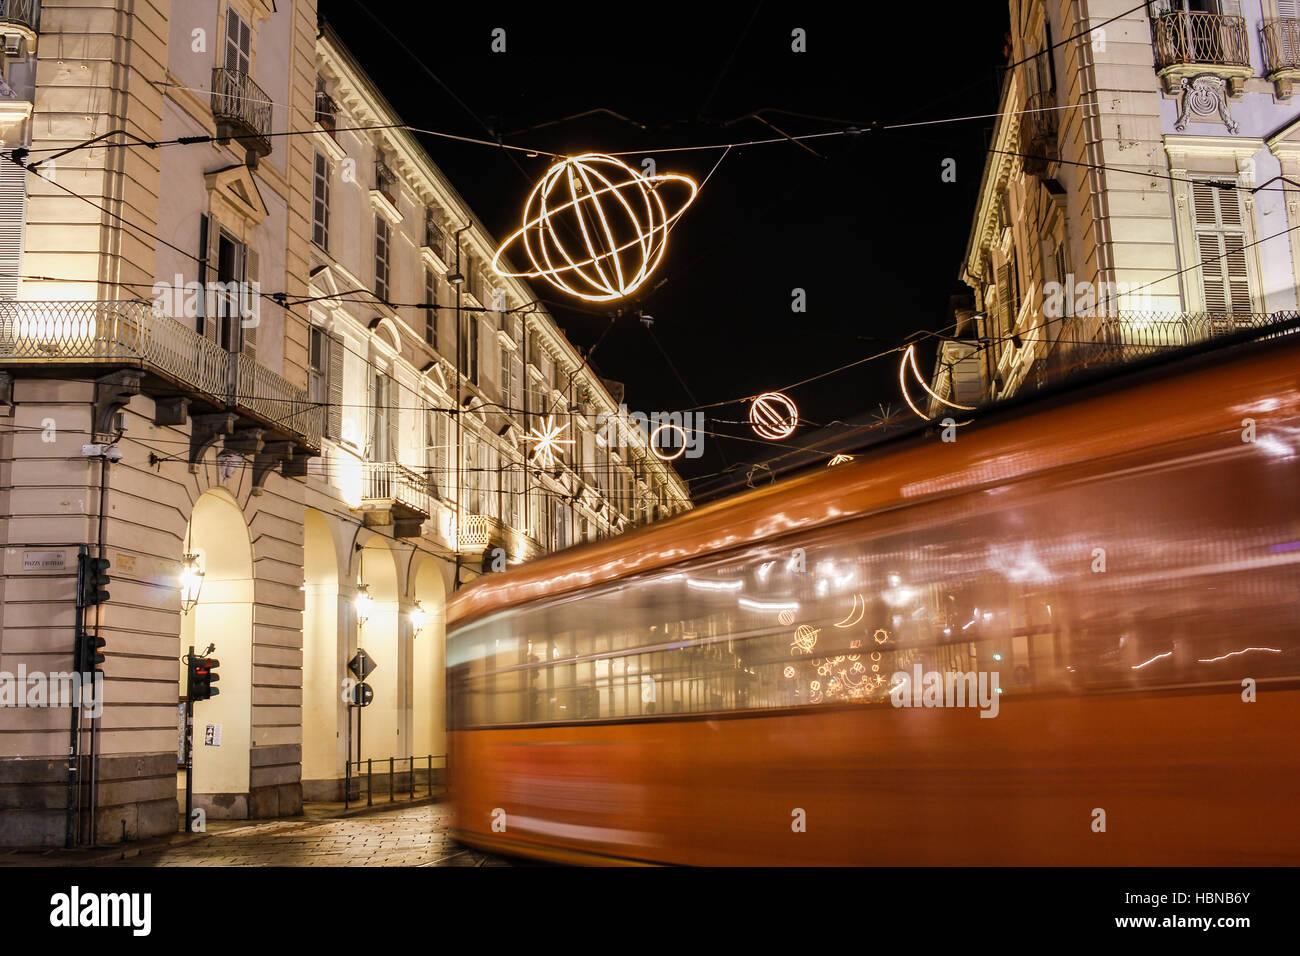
[(13, 203), (320, 206), (1220, 241), (1004, 298), (383, 239), (436, 449), (239, 42)]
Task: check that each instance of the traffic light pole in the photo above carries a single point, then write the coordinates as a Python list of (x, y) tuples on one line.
[(74, 731), (189, 746)]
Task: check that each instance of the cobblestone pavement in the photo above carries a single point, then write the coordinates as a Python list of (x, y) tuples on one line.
[(413, 836)]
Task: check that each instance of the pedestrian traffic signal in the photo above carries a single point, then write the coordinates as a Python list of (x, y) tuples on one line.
[(92, 578), (202, 675), (90, 654)]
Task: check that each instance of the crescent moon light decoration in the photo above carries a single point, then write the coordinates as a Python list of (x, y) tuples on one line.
[(859, 609), (909, 358)]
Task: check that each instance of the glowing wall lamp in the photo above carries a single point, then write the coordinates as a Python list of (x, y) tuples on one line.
[(191, 582), (419, 618), (363, 604)]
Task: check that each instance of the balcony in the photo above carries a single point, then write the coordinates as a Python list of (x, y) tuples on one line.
[(478, 533), (1038, 133), (384, 195), (327, 112), (20, 18), (1281, 42), (434, 250), (242, 112), (1188, 43), (1128, 337), (394, 495), (129, 347)]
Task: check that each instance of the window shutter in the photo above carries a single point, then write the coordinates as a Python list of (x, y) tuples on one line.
[(249, 329), (1220, 244), (334, 411), (1004, 297), (13, 204), (394, 438)]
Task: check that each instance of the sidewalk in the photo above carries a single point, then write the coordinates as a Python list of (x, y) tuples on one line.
[(401, 832)]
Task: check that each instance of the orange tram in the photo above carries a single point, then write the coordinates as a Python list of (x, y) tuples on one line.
[(1110, 572)]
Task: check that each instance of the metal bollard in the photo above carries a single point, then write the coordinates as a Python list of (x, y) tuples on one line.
[(410, 763), (370, 782), (391, 788)]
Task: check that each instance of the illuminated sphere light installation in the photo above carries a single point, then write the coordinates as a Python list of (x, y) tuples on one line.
[(773, 416), (596, 228)]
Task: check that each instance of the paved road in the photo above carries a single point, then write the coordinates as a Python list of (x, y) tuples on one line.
[(414, 836)]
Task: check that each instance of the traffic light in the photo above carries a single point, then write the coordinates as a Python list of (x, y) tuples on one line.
[(92, 578), (202, 675), (90, 652)]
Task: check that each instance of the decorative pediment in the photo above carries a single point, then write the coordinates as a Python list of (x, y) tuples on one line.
[(233, 194)]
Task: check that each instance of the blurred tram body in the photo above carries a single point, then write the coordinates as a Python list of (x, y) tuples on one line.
[(1118, 554)]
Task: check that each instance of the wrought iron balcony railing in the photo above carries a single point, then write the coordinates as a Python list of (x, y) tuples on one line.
[(242, 112), (1185, 37), (1281, 41), (390, 481), (22, 13), (1038, 133), (326, 112), (135, 335), (1126, 337), (435, 239), (386, 181), (478, 532)]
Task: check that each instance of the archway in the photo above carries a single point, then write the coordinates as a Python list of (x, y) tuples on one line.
[(428, 670), (324, 657), (223, 617)]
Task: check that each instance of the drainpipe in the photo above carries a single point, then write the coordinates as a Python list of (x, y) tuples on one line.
[(460, 442)]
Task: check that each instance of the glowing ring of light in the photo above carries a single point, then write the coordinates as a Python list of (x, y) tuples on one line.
[(767, 422), (605, 273), (881, 635), (859, 609), (655, 448), (909, 358)]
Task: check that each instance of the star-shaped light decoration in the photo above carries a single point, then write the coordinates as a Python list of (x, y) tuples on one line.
[(548, 442)]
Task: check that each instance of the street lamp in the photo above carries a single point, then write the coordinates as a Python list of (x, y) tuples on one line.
[(419, 618), (191, 582), (363, 604)]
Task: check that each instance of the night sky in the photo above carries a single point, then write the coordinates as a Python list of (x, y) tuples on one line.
[(867, 228)]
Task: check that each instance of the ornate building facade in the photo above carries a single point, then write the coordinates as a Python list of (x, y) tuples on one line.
[(250, 354), (1140, 190)]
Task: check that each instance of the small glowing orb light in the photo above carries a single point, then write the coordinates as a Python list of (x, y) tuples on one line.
[(596, 228), (786, 617), (657, 447), (548, 442), (773, 416)]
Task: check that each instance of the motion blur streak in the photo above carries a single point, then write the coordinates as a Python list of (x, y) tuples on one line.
[(1118, 555)]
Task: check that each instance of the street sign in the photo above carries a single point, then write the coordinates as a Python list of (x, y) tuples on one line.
[(362, 695), (362, 665)]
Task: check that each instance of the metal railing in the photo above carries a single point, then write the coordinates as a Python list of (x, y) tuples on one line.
[(390, 772), (239, 102), (1281, 41), (1191, 37), (475, 531), (1038, 131), (393, 481), (25, 13), (326, 112), (386, 181), (1126, 337), (436, 240), (135, 334)]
